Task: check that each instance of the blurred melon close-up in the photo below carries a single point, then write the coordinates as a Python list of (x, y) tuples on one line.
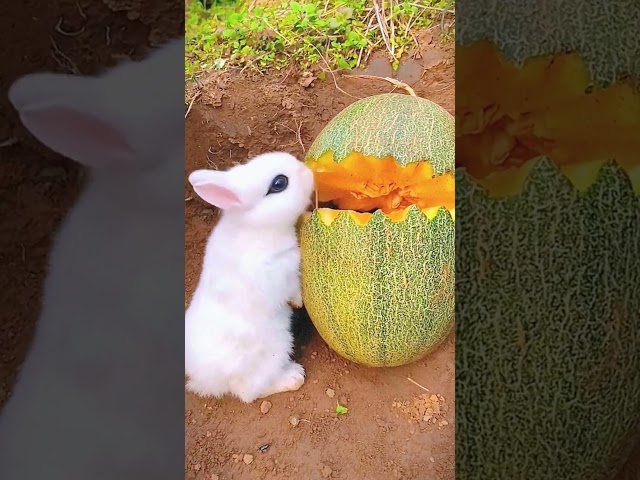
[(548, 259)]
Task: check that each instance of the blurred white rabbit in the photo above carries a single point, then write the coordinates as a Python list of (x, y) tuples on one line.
[(237, 327), (92, 396)]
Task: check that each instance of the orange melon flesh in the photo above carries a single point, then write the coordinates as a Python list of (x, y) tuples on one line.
[(362, 183), (547, 107)]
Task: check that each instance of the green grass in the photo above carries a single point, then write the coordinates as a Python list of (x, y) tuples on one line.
[(335, 34)]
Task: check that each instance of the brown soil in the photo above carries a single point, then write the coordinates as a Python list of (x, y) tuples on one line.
[(393, 428)]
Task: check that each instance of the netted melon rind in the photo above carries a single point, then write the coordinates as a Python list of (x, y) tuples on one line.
[(605, 33), (548, 327), (409, 129), (381, 294)]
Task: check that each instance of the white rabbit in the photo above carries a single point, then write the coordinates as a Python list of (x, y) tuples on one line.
[(237, 327), (94, 395)]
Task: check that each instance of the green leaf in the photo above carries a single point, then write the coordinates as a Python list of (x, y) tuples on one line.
[(340, 410), (334, 23), (343, 64), (309, 9)]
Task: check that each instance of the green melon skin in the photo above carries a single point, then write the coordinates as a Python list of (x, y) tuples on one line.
[(605, 33), (381, 295), (547, 328), (411, 129)]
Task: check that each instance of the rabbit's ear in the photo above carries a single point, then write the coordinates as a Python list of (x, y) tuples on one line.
[(67, 114), (213, 187)]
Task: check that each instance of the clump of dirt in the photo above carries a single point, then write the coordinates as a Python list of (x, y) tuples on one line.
[(428, 408)]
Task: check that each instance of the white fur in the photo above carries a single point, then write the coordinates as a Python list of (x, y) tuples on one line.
[(237, 327), (78, 411)]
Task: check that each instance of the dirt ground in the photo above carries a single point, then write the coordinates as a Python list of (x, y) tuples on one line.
[(393, 428)]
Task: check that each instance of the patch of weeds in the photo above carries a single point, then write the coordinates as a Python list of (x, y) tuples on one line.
[(273, 35)]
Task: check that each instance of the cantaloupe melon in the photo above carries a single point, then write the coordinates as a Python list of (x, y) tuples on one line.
[(548, 256), (378, 265)]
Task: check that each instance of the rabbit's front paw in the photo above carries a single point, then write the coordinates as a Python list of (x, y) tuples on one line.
[(291, 379), (296, 301)]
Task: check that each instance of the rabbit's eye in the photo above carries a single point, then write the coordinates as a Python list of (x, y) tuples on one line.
[(278, 184)]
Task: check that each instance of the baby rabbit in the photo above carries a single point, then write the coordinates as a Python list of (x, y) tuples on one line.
[(237, 327), (95, 393)]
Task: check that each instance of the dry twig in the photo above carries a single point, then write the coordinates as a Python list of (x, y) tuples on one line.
[(8, 142), (66, 33), (335, 82), (417, 384), (393, 81), (62, 60), (193, 99), (382, 24), (299, 135), (297, 132), (80, 11), (443, 10)]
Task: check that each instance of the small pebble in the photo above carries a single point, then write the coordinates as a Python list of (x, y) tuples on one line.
[(293, 420), (263, 448), (265, 406), (215, 477), (248, 459), (431, 459), (325, 471), (330, 393)]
